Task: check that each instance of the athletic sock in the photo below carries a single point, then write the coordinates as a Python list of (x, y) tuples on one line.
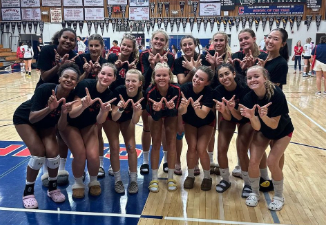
[(62, 165), (117, 176), (52, 183), (145, 157), (29, 188), (207, 174), (191, 172), (211, 157), (245, 177), (254, 183), (101, 161), (225, 173), (170, 173), (264, 174), (154, 175), (278, 188), (133, 176)]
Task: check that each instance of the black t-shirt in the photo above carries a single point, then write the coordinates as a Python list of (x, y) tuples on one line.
[(278, 107), (240, 55), (127, 113), (278, 70), (38, 102), (88, 116), (239, 92), (46, 61), (41, 45), (87, 56), (190, 117), (121, 72), (146, 69), (178, 68), (153, 93)]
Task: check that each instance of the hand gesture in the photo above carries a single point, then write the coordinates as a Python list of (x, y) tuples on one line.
[(53, 103), (67, 107), (87, 100), (87, 66), (96, 68), (152, 59), (189, 65), (119, 63), (184, 101), (219, 106), (136, 106), (229, 103), (133, 64), (163, 58), (57, 58), (246, 112), (157, 106), (211, 59), (219, 59), (262, 62), (263, 110), (122, 103), (230, 60), (196, 104), (170, 104), (73, 58), (106, 107)]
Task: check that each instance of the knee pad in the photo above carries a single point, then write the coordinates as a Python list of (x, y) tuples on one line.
[(53, 163), (180, 136), (36, 162)]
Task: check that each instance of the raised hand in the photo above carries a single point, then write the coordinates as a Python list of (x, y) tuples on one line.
[(157, 106), (133, 64), (189, 65), (96, 68), (57, 58), (136, 106), (67, 107), (53, 103), (170, 104), (246, 112), (163, 58), (87, 66), (74, 58), (219, 59), (219, 106), (106, 106), (262, 62), (184, 101), (229, 103), (211, 59), (263, 110), (122, 103), (250, 60), (87, 100), (119, 63), (196, 104)]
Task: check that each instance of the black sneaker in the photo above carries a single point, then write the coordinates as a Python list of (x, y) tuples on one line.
[(265, 185)]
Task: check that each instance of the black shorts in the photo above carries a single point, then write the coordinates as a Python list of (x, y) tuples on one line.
[(27, 58), (307, 57), (18, 120)]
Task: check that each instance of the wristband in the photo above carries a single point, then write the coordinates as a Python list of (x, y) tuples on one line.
[(120, 110)]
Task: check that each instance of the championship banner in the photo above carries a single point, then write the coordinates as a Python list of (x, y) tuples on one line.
[(264, 21), (166, 23), (7, 24), (243, 22), (211, 23), (159, 23), (13, 27), (184, 24), (250, 20), (74, 25), (225, 22), (143, 24), (119, 24), (24, 26), (123, 10), (308, 21), (63, 24), (89, 27), (237, 22), (96, 24), (218, 22), (182, 6), (102, 27), (178, 22), (69, 24), (148, 26), (318, 20), (137, 23), (172, 20), (194, 8), (205, 20), (298, 19), (271, 9), (125, 23), (107, 22), (278, 21), (198, 23), (41, 24), (29, 24), (257, 20), (167, 8), (109, 10), (160, 7), (152, 22), (191, 22), (231, 23), (2, 27), (285, 21), (271, 22), (81, 25), (291, 19), (152, 6), (35, 23), (19, 26), (114, 22)]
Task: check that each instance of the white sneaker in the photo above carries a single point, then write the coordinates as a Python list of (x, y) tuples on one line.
[(318, 93), (304, 75), (309, 74), (237, 172), (111, 171), (252, 200), (276, 204)]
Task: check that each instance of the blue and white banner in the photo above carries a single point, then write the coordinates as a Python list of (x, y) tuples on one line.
[(271, 10)]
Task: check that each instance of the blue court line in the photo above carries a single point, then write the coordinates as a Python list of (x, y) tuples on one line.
[(13, 168), (296, 143), (273, 213)]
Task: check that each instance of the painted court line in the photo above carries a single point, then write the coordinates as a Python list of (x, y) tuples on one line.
[(13, 168), (129, 216)]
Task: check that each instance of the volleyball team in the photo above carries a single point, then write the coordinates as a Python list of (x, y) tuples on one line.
[(191, 96)]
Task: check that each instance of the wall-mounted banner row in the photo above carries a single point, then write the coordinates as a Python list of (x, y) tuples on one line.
[(271, 10), (5, 26)]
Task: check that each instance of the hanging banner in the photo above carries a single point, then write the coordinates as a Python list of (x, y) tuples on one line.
[(11, 14), (51, 3), (265, 2), (191, 22), (178, 22), (102, 27), (30, 26), (89, 27), (137, 23), (160, 7), (125, 23), (318, 20), (109, 10), (74, 25), (250, 20), (271, 22), (72, 2), (225, 22), (24, 23), (210, 9), (63, 24), (30, 3), (257, 20), (31, 14), (19, 26), (166, 22), (198, 23), (278, 21), (56, 15), (227, 5), (205, 20), (298, 19), (218, 22), (271, 10), (10, 3), (308, 21), (291, 20), (152, 6), (7, 24), (159, 23), (211, 23), (35, 23), (117, 2), (184, 24), (243, 22), (182, 6), (264, 21), (69, 24), (93, 3), (167, 8), (172, 20), (237, 22), (2, 27), (138, 13), (73, 14), (152, 23), (114, 22), (107, 22), (285, 21), (148, 26), (80, 25), (96, 24), (13, 27), (94, 14), (231, 23), (194, 8), (138, 3), (123, 10), (41, 24)]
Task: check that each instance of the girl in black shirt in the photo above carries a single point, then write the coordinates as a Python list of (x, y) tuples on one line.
[(126, 111), (35, 121), (80, 132), (163, 100), (227, 97), (273, 126), (199, 124)]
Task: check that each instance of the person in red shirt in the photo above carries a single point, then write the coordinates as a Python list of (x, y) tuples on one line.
[(298, 49), (115, 48)]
